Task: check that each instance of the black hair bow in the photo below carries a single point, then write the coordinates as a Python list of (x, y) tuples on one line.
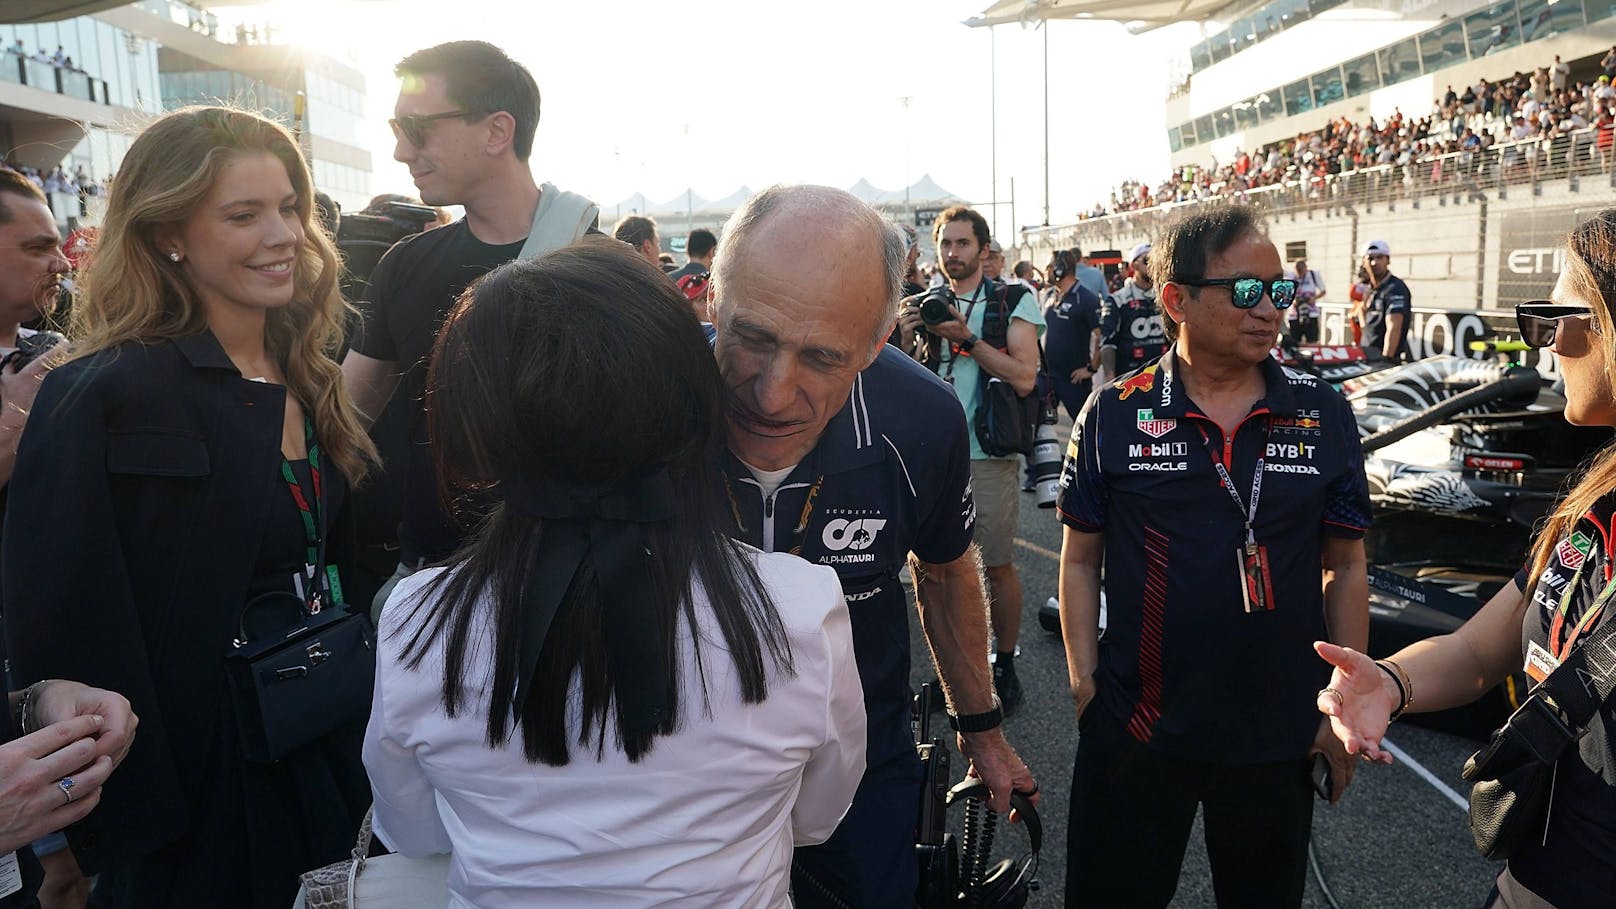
[(601, 530)]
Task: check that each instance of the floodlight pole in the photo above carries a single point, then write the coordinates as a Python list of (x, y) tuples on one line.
[(993, 121), (1046, 122)]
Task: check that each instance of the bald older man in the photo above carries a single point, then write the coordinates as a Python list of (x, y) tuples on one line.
[(844, 451)]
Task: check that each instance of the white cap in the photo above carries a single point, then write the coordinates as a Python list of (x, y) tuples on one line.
[(1377, 248), (994, 247), (1142, 249)]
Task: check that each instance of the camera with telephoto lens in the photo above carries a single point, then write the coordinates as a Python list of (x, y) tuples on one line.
[(934, 305), (30, 347)]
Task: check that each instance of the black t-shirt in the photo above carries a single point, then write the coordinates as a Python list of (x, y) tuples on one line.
[(1578, 866), (1388, 299), (411, 292), (1183, 666), (891, 475)]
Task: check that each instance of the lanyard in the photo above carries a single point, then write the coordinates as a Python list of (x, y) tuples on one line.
[(311, 508), (1250, 514), (1557, 627), (954, 351)]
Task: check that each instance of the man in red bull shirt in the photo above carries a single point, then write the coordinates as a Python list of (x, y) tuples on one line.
[(1225, 497)]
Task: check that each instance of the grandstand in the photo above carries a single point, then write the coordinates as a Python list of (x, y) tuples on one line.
[(1355, 137)]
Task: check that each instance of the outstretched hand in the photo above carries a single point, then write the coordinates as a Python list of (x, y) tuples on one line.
[(1357, 701)]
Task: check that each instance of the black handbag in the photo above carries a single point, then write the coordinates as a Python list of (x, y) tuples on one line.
[(1512, 779), (299, 676)]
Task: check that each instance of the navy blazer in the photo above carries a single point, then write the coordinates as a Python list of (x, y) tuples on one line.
[(133, 530)]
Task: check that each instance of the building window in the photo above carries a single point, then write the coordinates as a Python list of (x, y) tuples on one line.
[(1361, 75), (1545, 18), (1327, 88), (1443, 46), (1298, 98), (1399, 62), (1492, 29)]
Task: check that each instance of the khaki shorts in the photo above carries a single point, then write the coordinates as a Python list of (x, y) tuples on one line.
[(996, 486)]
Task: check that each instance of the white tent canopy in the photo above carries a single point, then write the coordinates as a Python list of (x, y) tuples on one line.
[(923, 193), (1150, 13)]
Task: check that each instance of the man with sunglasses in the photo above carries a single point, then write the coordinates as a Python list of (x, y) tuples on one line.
[(1131, 332), (1224, 497), (464, 120), (1389, 307)]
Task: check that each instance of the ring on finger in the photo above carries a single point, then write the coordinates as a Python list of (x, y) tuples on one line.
[(1338, 697), (66, 784)]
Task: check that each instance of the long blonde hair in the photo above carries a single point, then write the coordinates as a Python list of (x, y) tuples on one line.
[(1590, 270), (130, 292)]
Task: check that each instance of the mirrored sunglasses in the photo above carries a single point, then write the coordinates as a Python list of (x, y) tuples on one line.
[(1248, 292)]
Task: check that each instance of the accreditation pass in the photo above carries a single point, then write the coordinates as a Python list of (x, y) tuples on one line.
[(10, 875)]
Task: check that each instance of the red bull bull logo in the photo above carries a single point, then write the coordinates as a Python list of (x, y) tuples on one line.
[(1144, 380)]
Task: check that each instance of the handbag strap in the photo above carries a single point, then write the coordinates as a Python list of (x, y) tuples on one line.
[(361, 849), (1585, 679)]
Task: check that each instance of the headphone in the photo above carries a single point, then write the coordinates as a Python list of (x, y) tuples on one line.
[(1061, 265), (1008, 883)]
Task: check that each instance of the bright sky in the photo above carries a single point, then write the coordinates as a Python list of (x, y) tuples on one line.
[(651, 96)]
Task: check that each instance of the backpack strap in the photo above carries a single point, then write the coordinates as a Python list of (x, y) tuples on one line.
[(996, 317)]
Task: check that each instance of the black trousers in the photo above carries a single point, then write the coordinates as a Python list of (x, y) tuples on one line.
[(1131, 813)]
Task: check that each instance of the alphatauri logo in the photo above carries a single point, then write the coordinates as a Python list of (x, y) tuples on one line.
[(856, 535)]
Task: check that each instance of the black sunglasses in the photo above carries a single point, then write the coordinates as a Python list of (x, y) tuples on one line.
[(1539, 320), (412, 128), (1248, 292)]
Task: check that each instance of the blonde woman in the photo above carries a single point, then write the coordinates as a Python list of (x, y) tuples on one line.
[(1558, 600), (189, 458)]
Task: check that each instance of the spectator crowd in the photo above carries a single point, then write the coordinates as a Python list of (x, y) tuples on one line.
[(1533, 116)]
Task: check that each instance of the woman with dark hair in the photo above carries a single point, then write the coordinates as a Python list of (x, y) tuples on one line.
[(604, 700), (1557, 601)]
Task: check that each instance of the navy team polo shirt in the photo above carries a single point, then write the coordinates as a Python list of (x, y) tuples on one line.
[(1183, 666), (890, 475)]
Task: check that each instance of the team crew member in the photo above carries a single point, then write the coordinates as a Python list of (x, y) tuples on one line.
[(847, 453), (1131, 333), (1071, 338), (1386, 312), (1226, 497)]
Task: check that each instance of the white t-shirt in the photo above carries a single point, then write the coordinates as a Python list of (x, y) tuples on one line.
[(770, 480), (707, 818)]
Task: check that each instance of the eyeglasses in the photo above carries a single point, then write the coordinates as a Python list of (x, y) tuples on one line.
[(1248, 292), (412, 128), (1539, 320)]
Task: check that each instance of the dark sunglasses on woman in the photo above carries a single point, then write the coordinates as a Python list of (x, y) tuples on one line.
[(1248, 292), (1539, 320)]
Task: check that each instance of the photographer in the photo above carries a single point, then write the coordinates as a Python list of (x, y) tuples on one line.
[(961, 235)]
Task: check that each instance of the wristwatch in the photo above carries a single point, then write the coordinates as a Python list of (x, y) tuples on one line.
[(978, 722), (968, 343)]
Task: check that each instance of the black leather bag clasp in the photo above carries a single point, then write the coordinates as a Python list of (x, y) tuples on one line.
[(1512, 779), (295, 676)]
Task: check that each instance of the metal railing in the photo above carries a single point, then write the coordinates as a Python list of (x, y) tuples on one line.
[(1455, 178), (52, 78)]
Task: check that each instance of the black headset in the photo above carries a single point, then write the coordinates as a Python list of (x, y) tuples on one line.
[(1005, 884), (1061, 265)]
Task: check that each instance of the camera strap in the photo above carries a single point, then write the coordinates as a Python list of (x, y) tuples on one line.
[(953, 349)]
